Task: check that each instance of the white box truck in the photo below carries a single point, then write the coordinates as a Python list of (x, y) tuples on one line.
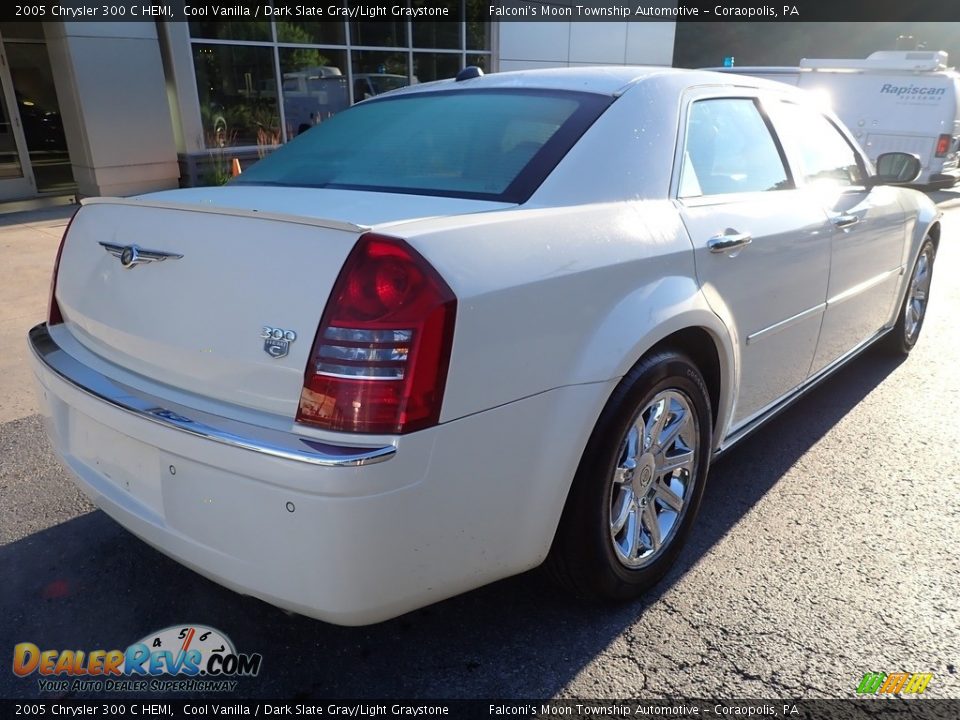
[(902, 101)]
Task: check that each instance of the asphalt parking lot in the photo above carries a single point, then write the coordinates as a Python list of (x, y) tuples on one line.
[(826, 548)]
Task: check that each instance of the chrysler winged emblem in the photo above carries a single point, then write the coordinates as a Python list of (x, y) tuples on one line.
[(132, 255)]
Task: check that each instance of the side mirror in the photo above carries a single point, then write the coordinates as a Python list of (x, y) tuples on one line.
[(896, 168)]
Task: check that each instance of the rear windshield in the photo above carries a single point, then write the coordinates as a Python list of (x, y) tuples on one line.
[(485, 144)]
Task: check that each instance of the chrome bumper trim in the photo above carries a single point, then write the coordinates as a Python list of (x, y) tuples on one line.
[(267, 441)]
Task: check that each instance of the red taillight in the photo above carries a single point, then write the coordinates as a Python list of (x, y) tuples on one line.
[(379, 361), (54, 316), (943, 145)]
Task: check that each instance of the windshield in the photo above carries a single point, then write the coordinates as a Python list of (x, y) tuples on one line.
[(485, 144)]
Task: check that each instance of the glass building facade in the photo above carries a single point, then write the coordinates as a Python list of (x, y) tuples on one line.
[(260, 84)]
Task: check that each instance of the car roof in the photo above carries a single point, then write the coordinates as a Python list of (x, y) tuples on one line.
[(603, 80)]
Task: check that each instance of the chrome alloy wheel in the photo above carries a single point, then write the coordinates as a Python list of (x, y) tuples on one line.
[(917, 295), (654, 478)]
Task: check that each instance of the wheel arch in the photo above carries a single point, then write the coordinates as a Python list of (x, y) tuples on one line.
[(702, 336), (927, 226), (700, 346), (933, 232), (671, 312), (923, 220)]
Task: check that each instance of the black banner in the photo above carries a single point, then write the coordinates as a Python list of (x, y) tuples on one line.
[(873, 709), (484, 10)]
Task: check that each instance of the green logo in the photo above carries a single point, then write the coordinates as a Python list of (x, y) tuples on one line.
[(893, 683)]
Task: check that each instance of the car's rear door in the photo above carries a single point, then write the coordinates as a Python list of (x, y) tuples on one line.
[(762, 247), (866, 227)]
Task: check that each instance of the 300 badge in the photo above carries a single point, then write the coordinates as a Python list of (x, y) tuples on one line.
[(276, 341)]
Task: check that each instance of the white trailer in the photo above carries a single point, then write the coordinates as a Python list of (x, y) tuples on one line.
[(902, 101)]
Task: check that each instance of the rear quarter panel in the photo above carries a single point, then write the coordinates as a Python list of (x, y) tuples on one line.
[(565, 296)]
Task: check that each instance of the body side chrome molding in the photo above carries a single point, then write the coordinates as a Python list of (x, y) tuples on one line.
[(784, 324), (266, 441), (835, 300), (864, 286), (790, 398)]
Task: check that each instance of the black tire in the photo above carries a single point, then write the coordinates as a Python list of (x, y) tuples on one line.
[(585, 557), (900, 340)]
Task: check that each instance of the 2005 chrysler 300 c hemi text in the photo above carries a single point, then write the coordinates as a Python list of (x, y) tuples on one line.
[(470, 326)]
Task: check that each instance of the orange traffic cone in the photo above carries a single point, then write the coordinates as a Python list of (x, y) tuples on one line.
[(235, 167)]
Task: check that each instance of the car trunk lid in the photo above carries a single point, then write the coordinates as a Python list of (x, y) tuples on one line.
[(222, 299)]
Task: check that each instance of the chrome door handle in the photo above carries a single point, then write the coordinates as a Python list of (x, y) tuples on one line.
[(845, 221), (729, 239)]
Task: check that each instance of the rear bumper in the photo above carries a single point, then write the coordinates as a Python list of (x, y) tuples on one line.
[(266, 441), (331, 532)]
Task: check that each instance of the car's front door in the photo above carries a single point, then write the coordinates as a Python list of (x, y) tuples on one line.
[(762, 247), (867, 228)]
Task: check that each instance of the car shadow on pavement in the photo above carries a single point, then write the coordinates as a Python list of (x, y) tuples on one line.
[(943, 198), (88, 584)]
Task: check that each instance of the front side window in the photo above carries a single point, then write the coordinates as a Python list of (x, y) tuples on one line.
[(496, 145), (729, 149), (824, 155)]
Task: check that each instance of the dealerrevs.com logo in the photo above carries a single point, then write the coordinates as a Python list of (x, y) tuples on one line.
[(187, 658)]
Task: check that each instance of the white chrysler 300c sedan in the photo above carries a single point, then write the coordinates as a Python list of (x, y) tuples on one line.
[(469, 326)]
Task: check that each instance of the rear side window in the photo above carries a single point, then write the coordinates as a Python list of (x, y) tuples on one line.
[(485, 144), (824, 155), (729, 149)]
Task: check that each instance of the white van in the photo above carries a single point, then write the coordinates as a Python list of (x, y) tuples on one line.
[(311, 95), (902, 101)]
